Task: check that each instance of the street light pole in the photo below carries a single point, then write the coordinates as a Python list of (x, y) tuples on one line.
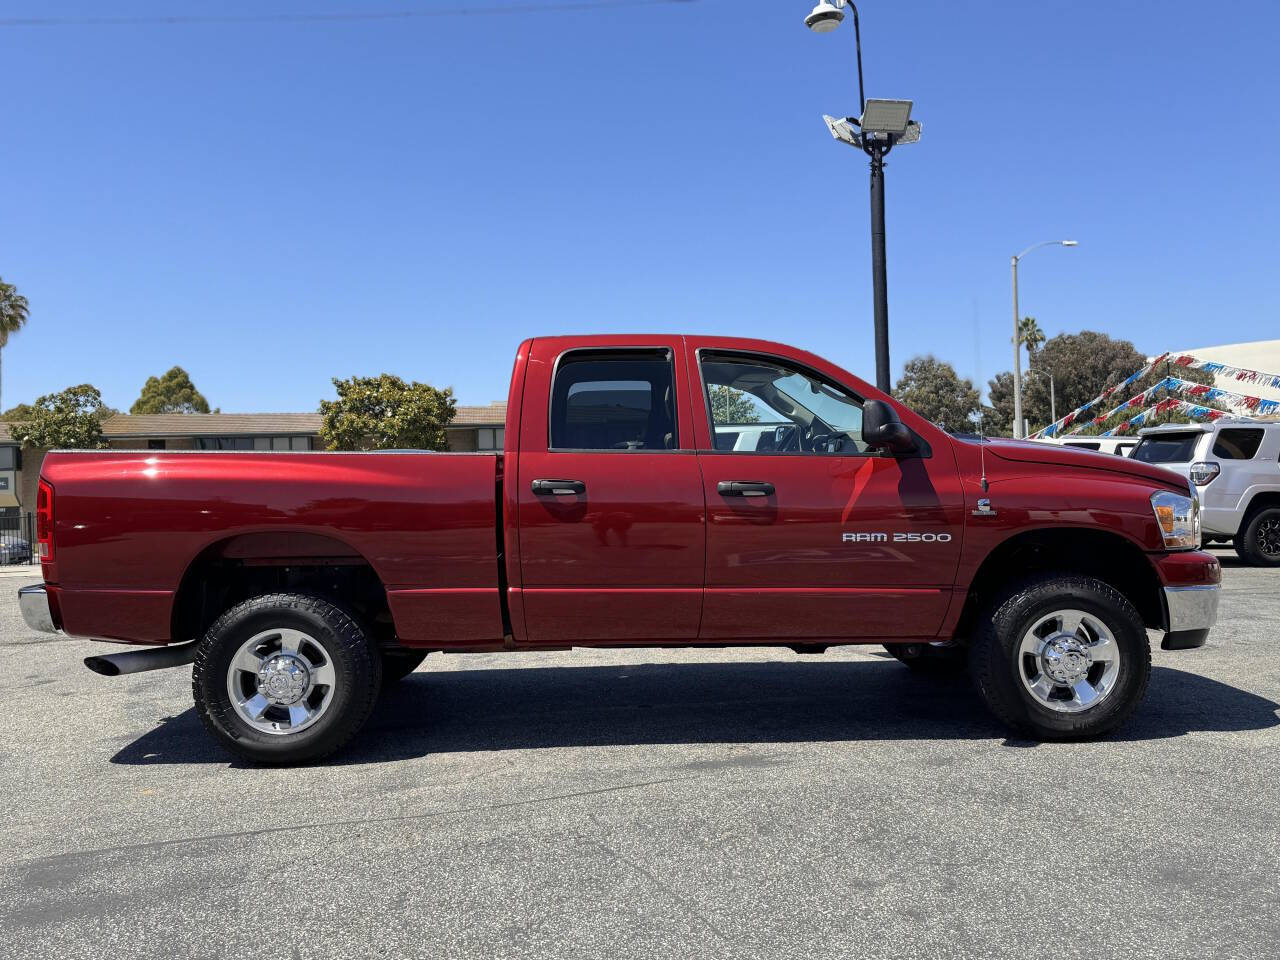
[(876, 133), (1017, 338)]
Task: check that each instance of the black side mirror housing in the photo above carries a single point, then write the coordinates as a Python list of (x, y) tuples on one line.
[(883, 430)]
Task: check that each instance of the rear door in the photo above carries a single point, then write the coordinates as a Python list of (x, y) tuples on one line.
[(611, 513), (809, 534)]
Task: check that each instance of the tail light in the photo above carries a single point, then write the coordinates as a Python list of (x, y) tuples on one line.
[(1202, 473), (44, 521)]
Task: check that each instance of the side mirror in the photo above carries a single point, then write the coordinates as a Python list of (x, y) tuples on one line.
[(883, 430)]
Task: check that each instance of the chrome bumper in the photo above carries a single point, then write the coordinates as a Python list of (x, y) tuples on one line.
[(1192, 611), (33, 601)]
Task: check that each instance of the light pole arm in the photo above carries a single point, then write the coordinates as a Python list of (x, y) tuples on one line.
[(857, 38)]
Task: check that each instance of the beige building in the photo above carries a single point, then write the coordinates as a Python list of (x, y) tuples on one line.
[(473, 428)]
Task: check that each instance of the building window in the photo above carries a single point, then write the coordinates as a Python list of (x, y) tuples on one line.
[(490, 438), (254, 443), (224, 443), (10, 458), (155, 444)]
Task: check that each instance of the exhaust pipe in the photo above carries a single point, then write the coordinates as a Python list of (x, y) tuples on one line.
[(138, 661)]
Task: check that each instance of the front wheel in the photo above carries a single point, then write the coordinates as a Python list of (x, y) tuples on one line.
[(285, 678), (1061, 657)]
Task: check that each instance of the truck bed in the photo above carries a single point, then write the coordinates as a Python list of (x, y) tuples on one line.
[(133, 528)]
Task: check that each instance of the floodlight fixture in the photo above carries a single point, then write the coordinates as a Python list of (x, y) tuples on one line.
[(887, 118), (845, 130)]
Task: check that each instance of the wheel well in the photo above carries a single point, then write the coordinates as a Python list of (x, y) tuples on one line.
[(1260, 501), (1107, 556), (237, 568)]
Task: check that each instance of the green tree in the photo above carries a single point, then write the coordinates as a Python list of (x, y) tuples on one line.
[(13, 312), (1029, 333), (385, 413), (932, 389), (997, 415), (1083, 365), (172, 393), (15, 414), (729, 405), (70, 419)]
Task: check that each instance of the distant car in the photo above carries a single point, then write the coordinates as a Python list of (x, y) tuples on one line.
[(14, 550), (1235, 466), (1120, 446)]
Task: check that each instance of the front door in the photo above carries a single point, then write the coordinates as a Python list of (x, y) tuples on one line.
[(611, 513), (810, 535)]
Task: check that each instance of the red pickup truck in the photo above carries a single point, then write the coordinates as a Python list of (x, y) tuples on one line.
[(652, 491)]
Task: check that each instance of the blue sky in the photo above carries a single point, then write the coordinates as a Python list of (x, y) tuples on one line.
[(272, 205)]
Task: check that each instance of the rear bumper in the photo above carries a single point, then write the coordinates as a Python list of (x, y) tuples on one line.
[(33, 601), (1193, 610)]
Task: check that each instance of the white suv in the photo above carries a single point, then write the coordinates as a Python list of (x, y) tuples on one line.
[(1235, 466)]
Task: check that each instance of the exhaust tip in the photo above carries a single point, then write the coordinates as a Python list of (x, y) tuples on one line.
[(102, 665)]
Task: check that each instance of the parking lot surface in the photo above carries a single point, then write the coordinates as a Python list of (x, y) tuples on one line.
[(735, 803)]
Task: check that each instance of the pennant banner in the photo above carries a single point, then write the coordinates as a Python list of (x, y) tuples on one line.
[(1243, 374), (1052, 429), (1257, 405), (1174, 384), (1193, 410)]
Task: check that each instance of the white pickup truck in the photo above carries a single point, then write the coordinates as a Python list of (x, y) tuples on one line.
[(1235, 466)]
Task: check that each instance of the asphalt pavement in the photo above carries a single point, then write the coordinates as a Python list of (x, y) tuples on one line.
[(649, 804)]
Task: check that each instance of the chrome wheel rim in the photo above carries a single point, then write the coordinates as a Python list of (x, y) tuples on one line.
[(281, 681), (1069, 661)]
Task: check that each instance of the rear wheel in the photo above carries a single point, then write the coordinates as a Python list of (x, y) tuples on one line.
[(285, 678), (1258, 543), (937, 658), (1062, 657)]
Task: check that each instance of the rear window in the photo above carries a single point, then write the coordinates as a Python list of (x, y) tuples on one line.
[(1235, 444), (620, 400), (1084, 445), (1166, 448)]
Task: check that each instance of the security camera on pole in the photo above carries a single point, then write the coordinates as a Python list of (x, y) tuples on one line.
[(881, 126)]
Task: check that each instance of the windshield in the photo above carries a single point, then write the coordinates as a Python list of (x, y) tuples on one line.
[(1166, 448)]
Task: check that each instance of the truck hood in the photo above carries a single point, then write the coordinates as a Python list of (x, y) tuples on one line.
[(1018, 451)]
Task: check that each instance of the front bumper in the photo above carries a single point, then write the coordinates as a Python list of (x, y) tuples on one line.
[(1193, 610), (33, 601)]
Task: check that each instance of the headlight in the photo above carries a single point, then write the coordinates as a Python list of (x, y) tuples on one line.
[(1178, 518)]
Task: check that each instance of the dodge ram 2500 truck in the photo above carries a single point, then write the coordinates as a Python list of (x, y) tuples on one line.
[(652, 491)]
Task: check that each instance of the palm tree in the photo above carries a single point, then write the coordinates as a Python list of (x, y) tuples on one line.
[(13, 313), (1029, 332)]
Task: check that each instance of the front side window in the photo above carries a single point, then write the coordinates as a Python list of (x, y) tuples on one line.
[(759, 405), (1236, 444), (614, 400)]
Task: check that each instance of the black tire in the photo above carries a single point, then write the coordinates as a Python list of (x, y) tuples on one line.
[(931, 658), (398, 664), (1258, 542), (996, 663), (356, 666)]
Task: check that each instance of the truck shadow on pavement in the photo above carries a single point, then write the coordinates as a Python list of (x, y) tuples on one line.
[(655, 703)]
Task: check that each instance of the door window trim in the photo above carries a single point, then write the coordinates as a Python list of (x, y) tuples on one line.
[(611, 352)]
